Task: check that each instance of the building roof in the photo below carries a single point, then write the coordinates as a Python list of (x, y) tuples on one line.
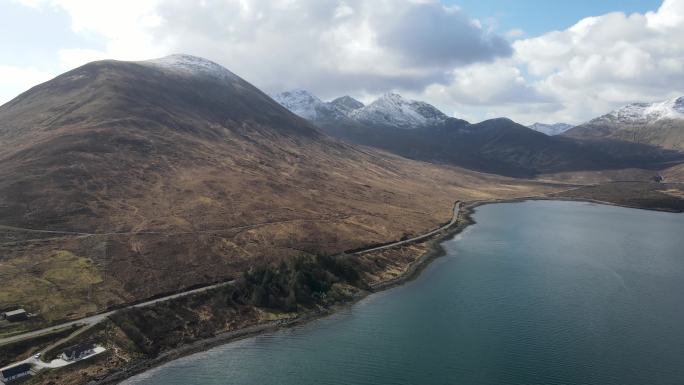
[(14, 370), (77, 350), (15, 312)]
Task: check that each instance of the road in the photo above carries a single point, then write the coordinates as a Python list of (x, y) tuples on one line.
[(97, 318), (454, 218)]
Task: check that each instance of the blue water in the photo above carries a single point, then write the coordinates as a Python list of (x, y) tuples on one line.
[(535, 293)]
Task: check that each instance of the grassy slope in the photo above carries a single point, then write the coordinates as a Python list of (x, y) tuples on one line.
[(192, 187)]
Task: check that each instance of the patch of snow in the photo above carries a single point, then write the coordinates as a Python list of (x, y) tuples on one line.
[(551, 129), (301, 102), (388, 110), (647, 112), (188, 65), (393, 109), (346, 104)]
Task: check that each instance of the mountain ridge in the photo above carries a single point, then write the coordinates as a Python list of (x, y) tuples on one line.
[(551, 129), (390, 109), (658, 124), (417, 130)]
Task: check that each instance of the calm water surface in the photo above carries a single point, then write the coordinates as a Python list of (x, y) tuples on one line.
[(534, 293)]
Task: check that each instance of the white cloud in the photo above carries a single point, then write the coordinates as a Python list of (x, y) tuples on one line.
[(328, 46), (606, 61), (14, 80), (420, 48), (596, 65)]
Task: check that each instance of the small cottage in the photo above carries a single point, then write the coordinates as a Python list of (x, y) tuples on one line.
[(16, 372), (15, 315), (78, 352)]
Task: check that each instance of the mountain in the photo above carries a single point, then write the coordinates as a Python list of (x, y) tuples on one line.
[(305, 104), (551, 129), (417, 130), (346, 104), (123, 180), (391, 110), (395, 111), (656, 124)]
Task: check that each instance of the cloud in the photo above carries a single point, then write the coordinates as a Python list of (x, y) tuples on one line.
[(497, 83), (331, 47), (433, 34), (14, 80), (418, 47), (573, 75), (328, 46), (603, 62)]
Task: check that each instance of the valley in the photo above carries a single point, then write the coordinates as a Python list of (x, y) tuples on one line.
[(155, 182), (216, 182)]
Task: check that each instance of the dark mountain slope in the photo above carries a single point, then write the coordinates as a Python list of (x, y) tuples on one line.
[(417, 130), (654, 124), (498, 146)]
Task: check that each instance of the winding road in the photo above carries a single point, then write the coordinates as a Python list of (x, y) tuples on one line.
[(454, 218), (97, 318)]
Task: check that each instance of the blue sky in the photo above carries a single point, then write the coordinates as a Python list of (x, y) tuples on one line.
[(535, 17)]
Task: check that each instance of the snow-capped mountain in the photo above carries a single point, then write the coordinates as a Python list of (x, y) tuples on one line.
[(646, 112), (304, 104), (551, 129), (659, 124), (192, 66), (389, 110), (346, 104), (393, 110)]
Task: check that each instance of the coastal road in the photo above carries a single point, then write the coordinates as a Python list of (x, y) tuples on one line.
[(454, 218), (97, 318)]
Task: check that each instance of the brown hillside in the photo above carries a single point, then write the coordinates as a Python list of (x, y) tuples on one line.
[(176, 173)]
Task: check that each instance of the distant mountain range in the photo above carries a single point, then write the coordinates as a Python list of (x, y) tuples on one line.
[(418, 130), (390, 110), (658, 124), (551, 129)]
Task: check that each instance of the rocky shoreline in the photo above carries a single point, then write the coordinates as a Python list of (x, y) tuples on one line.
[(434, 250)]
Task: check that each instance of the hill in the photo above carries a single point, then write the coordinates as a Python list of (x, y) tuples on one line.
[(124, 180)]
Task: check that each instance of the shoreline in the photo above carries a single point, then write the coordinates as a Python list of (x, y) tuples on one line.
[(414, 269), (434, 250)]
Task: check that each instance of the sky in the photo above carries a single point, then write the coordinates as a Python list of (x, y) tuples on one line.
[(529, 60)]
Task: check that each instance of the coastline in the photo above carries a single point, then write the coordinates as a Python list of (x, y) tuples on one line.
[(434, 250)]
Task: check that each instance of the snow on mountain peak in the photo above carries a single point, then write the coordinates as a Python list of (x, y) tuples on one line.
[(346, 104), (648, 112), (388, 110), (189, 65), (393, 109), (302, 103), (551, 129)]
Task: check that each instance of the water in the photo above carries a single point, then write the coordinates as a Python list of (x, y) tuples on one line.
[(534, 293)]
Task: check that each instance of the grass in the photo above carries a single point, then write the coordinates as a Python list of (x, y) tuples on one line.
[(656, 196), (56, 285), (23, 349)]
